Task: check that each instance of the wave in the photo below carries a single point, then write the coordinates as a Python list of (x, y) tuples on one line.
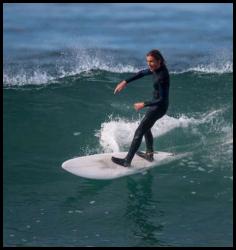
[(41, 77), (209, 69), (80, 61), (117, 133), (23, 78)]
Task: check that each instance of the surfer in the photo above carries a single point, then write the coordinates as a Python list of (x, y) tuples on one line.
[(157, 107)]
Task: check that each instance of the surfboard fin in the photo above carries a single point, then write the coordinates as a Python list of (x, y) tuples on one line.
[(146, 156)]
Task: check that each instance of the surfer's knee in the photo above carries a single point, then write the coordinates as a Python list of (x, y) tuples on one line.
[(138, 134)]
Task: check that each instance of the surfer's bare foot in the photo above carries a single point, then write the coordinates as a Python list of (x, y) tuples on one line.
[(146, 156), (120, 161)]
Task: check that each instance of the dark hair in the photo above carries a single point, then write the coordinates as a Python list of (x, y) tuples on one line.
[(157, 55)]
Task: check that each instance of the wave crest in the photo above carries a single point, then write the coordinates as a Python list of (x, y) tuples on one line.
[(76, 62), (209, 69)]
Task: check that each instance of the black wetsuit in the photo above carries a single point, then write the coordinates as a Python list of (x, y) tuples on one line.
[(157, 107)]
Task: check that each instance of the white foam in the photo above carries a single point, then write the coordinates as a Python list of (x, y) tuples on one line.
[(201, 169), (117, 133), (214, 68), (78, 61), (38, 77), (76, 133), (84, 61), (230, 141), (217, 62), (68, 65), (211, 68)]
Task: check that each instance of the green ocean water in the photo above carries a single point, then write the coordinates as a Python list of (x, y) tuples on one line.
[(184, 203), (61, 63)]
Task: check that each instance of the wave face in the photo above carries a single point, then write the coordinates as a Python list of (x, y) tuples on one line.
[(200, 105), (46, 123)]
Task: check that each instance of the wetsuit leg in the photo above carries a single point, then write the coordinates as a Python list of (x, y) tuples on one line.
[(149, 141), (148, 121)]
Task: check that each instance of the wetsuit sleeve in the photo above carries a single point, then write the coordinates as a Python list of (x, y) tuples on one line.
[(163, 94), (138, 75)]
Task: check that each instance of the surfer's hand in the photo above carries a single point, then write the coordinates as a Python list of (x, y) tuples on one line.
[(120, 86), (139, 105)]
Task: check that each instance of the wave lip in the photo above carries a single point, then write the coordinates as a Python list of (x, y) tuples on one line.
[(78, 61), (43, 78), (209, 69), (22, 78)]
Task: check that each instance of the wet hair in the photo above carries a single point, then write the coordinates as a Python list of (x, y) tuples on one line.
[(157, 55)]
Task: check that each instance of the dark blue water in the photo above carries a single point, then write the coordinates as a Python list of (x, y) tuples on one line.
[(61, 65)]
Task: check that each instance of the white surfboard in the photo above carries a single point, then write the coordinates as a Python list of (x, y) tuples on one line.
[(100, 166)]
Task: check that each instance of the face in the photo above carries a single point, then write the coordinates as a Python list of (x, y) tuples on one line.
[(153, 64)]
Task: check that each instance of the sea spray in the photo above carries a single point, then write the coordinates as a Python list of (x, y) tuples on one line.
[(77, 61), (117, 133)]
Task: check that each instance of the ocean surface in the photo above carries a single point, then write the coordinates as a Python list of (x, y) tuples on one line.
[(61, 65)]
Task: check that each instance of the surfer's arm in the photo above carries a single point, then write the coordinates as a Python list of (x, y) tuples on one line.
[(139, 75)]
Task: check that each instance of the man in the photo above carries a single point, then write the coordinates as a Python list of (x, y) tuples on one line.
[(157, 107)]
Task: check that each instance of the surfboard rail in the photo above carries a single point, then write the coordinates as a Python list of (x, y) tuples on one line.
[(100, 166)]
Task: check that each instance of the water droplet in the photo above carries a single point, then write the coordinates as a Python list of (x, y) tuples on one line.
[(201, 169), (79, 211), (76, 133)]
